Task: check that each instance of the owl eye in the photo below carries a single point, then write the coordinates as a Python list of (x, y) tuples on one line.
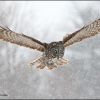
[(55, 51)]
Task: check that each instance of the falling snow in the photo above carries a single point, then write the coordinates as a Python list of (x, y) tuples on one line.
[(49, 21)]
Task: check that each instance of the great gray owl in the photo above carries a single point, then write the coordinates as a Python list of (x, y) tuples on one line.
[(52, 52)]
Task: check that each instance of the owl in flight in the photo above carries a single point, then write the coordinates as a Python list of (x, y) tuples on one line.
[(53, 52)]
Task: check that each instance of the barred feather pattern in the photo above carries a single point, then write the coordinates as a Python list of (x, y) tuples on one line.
[(43, 62), (85, 32), (21, 39)]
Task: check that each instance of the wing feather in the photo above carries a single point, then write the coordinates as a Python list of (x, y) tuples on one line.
[(85, 32), (21, 39)]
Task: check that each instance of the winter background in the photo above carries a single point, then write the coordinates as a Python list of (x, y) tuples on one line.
[(49, 21)]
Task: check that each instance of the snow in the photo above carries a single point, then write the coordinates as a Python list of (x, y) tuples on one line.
[(49, 21)]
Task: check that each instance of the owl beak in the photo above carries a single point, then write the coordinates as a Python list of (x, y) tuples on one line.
[(57, 57)]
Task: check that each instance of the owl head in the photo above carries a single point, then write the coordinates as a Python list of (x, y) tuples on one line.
[(55, 50)]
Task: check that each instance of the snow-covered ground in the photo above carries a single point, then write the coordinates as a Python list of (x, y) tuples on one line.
[(49, 21)]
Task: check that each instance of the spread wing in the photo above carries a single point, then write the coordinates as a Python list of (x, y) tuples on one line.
[(85, 32), (20, 39)]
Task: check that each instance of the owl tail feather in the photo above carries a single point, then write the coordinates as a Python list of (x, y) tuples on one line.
[(42, 62)]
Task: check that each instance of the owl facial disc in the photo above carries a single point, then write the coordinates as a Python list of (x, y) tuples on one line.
[(55, 50)]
